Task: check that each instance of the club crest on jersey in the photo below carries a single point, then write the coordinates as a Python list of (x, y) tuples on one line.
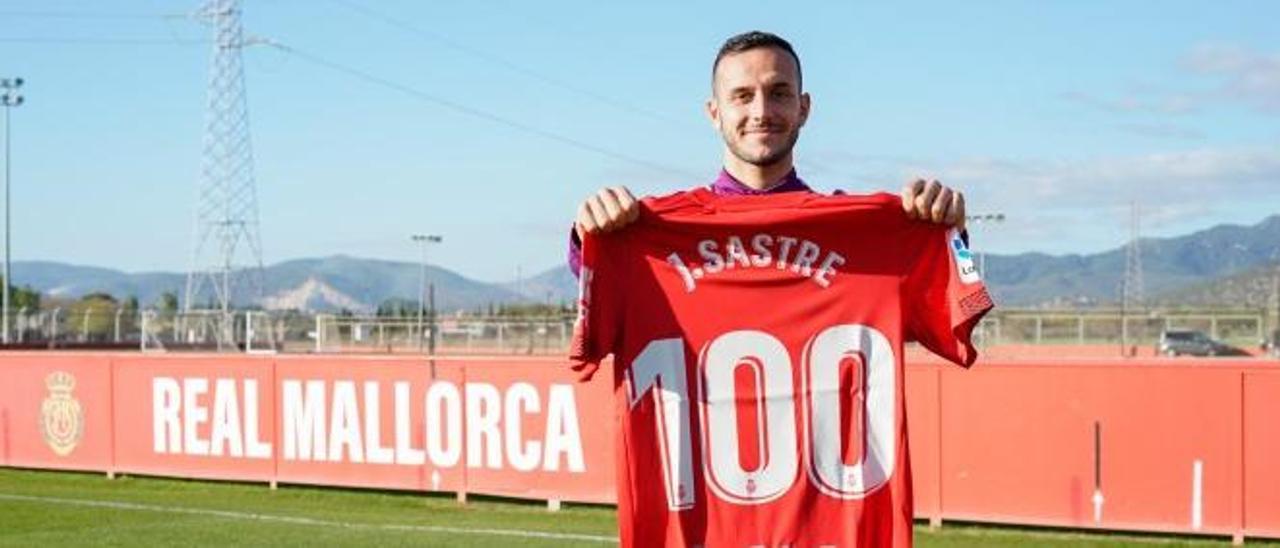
[(768, 251), (964, 259)]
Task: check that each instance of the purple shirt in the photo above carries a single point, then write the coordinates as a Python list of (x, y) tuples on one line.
[(724, 185)]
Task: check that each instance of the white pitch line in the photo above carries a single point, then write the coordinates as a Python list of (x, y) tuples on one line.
[(117, 505)]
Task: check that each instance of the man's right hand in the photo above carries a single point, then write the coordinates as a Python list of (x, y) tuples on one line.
[(607, 210)]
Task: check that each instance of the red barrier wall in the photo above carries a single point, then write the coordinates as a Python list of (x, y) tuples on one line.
[(1187, 445), (1034, 462), (323, 466), (78, 418), (512, 427), (167, 408), (924, 431), (1262, 453)]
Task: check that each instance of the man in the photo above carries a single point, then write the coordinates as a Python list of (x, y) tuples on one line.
[(758, 105), (757, 340)]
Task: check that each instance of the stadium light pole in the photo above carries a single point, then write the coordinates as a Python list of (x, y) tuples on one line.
[(9, 98), (1275, 292), (982, 219), (422, 241), (1274, 335), (979, 219)]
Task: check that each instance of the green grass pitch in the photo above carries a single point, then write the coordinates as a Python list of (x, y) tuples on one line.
[(39, 508)]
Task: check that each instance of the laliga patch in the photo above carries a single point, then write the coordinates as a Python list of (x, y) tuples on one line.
[(964, 259)]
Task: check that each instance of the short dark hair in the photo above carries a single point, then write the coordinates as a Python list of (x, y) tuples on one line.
[(751, 40)]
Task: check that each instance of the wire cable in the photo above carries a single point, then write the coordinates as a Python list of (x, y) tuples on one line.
[(475, 112), (89, 15), (507, 64), (102, 41)]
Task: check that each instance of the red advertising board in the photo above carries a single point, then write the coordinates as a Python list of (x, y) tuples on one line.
[(55, 411), (1146, 444)]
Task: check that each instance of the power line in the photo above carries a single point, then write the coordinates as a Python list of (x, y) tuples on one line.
[(506, 63), (97, 40), (90, 15), (380, 81), (367, 12), (103, 41), (475, 112)]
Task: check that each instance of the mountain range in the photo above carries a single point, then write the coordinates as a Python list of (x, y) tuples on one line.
[(327, 284), (1227, 265), (1200, 260)]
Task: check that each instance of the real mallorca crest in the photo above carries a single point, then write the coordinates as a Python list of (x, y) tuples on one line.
[(61, 417)]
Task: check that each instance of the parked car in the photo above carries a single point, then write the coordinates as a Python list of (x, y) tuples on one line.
[(1186, 342)]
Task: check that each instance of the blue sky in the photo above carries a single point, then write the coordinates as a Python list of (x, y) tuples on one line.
[(1056, 114)]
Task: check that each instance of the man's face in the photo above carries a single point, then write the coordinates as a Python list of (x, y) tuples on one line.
[(757, 104)]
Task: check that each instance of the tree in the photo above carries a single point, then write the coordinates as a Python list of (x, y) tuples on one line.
[(539, 310), (169, 302), (93, 316), (20, 297), (397, 308), (129, 315), (24, 297), (99, 296)]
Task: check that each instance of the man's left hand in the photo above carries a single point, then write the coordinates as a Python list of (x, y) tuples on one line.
[(929, 200)]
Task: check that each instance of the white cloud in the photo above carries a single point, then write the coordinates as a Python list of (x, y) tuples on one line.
[(1138, 102), (1234, 74), (1248, 76), (1083, 205), (1164, 178), (1163, 131), (1172, 190)]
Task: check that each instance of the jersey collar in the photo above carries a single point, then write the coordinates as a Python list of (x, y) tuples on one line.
[(726, 185), (713, 201)]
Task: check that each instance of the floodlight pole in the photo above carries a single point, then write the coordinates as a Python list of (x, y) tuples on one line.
[(981, 219), (423, 240), (9, 98), (982, 257), (1275, 292), (1274, 335)]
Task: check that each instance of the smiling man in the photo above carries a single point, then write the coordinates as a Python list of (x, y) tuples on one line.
[(757, 331), (758, 105)]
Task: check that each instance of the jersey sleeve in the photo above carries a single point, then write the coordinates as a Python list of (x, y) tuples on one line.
[(945, 296), (600, 296)]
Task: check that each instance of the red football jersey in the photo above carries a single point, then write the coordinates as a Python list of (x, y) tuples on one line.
[(757, 345)]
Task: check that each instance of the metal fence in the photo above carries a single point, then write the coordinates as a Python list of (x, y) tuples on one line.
[(1238, 327), (92, 325), (260, 331), (300, 332), (149, 329), (487, 335)]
